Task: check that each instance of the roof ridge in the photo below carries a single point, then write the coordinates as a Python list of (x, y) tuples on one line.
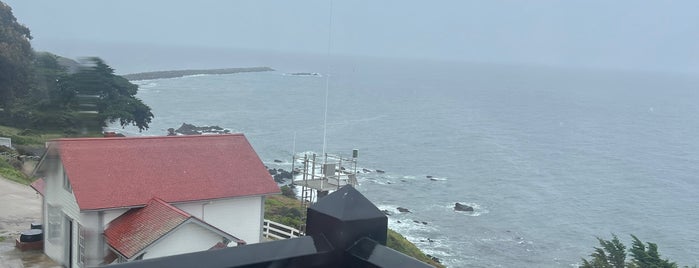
[(163, 202), (146, 137)]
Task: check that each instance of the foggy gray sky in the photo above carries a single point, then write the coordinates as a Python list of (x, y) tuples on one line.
[(644, 35)]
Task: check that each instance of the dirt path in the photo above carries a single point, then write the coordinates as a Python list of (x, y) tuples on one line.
[(20, 206)]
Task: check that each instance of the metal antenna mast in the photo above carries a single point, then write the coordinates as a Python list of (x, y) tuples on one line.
[(327, 77)]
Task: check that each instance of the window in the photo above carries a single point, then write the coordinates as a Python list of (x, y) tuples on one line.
[(66, 182), (55, 220), (81, 246)]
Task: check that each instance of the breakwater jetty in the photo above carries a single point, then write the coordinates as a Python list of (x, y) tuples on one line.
[(181, 73)]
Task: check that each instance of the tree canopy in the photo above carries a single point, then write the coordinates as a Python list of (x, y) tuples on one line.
[(16, 56), (612, 254), (36, 90), (95, 88)]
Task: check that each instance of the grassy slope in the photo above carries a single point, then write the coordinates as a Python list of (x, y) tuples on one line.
[(10, 173), (18, 137), (22, 138), (287, 211)]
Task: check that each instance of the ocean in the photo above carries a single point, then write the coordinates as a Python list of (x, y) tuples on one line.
[(550, 158)]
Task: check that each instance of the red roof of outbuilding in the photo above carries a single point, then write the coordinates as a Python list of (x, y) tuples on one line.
[(129, 171), (136, 229)]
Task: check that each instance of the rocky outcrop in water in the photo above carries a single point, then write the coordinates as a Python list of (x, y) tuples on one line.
[(461, 207), (282, 175), (435, 259), (189, 129), (403, 210)]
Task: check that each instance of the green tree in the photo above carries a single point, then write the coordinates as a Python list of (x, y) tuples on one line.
[(612, 254), (647, 257), (16, 55), (95, 88)]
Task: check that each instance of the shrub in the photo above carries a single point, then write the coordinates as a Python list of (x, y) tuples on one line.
[(288, 191)]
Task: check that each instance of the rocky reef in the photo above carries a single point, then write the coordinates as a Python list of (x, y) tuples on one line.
[(189, 129)]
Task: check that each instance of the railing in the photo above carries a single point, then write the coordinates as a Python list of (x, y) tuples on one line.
[(276, 231), (7, 155)]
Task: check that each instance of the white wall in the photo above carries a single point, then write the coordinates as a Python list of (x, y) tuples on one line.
[(240, 217), (190, 237), (64, 201), (95, 247), (110, 215), (93, 234)]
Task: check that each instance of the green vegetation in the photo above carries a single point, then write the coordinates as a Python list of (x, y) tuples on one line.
[(29, 137), (284, 210), (287, 210), (16, 56), (288, 191), (38, 92), (397, 242), (612, 254), (2, 238), (9, 168), (14, 175)]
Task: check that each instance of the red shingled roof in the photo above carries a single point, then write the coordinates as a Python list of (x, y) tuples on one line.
[(129, 171), (136, 229)]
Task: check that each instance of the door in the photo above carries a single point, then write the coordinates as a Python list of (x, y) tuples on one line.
[(68, 249)]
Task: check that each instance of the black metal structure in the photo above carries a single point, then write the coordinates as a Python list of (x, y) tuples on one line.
[(344, 229)]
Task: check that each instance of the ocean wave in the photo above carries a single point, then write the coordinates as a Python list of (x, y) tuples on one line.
[(195, 75), (145, 84), (304, 74)]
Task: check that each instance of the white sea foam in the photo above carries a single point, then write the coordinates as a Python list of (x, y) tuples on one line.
[(303, 74), (194, 75), (145, 84)]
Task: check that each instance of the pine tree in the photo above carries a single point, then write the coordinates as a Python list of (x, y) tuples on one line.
[(612, 254)]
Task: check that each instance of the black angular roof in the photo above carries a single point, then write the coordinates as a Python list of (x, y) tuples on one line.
[(347, 204)]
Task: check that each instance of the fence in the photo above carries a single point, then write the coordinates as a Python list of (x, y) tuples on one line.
[(7, 155), (275, 230)]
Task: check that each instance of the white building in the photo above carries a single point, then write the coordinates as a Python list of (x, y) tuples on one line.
[(7, 142), (124, 199)]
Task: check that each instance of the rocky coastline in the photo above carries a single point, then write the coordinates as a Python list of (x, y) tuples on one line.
[(181, 73), (285, 177)]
